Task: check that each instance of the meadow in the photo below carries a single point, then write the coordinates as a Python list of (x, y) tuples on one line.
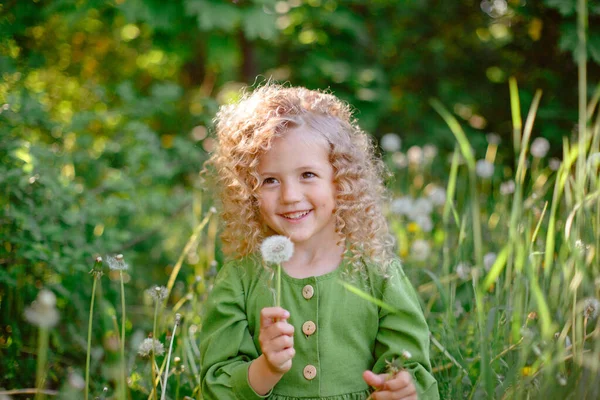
[(110, 234)]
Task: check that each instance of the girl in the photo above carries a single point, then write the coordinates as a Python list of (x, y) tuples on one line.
[(293, 162)]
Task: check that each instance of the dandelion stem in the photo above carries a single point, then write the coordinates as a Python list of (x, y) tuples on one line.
[(123, 323), (40, 375), (153, 347), (279, 285), (89, 341), (164, 392)]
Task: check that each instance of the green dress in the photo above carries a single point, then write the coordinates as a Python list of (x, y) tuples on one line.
[(338, 334)]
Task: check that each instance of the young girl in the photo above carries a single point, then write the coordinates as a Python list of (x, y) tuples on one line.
[(293, 162)]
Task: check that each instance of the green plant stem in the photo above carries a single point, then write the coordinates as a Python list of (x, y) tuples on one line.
[(89, 341), (123, 323), (164, 391), (42, 357), (278, 300), (153, 348)]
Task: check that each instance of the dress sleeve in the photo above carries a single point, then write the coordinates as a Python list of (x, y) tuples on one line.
[(226, 346), (403, 330)]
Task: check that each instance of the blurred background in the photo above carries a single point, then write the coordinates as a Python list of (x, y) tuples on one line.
[(106, 112)]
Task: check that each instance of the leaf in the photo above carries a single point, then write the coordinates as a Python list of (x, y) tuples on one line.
[(565, 7), (211, 15), (259, 24)]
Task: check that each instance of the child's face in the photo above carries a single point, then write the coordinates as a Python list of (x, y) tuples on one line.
[(297, 194)]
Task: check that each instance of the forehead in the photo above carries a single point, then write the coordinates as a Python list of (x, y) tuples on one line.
[(299, 144)]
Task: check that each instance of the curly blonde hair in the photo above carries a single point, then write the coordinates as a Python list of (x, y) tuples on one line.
[(245, 131)]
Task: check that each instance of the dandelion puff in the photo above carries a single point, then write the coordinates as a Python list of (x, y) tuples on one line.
[(402, 206), (554, 164), (43, 312), (488, 260), (277, 249), (158, 293), (420, 250), (117, 263), (390, 142), (422, 206), (425, 222), (429, 152), (437, 195), (493, 138), (76, 381), (463, 270), (406, 354), (539, 147), (415, 155), (591, 307), (507, 188), (149, 346), (484, 169)]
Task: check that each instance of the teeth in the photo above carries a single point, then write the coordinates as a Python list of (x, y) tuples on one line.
[(296, 215)]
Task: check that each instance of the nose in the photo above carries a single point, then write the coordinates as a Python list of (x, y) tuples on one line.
[(291, 192)]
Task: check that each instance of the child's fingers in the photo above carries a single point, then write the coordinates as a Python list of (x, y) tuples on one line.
[(269, 315), (277, 329), (374, 380), (277, 344), (401, 381)]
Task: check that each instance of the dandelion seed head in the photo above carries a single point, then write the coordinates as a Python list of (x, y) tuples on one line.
[(484, 169), (42, 312), (400, 159), (488, 260), (415, 155), (406, 354), (158, 293), (424, 221), (117, 263), (507, 188), (493, 138), (422, 206), (402, 205), (76, 381), (420, 250), (437, 195), (591, 307), (177, 319), (98, 259), (463, 270), (554, 164), (429, 152), (539, 147), (212, 210), (390, 142), (150, 345), (277, 249)]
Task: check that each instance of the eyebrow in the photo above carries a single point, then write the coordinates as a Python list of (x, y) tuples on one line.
[(302, 168)]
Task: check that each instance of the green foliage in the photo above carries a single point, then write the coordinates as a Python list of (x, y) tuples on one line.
[(105, 123)]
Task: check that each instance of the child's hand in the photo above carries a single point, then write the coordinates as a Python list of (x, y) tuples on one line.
[(276, 339), (400, 386)]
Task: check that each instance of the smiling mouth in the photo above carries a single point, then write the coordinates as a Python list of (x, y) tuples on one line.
[(296, 215)]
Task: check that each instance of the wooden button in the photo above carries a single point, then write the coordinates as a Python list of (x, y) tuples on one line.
[(309, 328), (310, 372), (308, 292)]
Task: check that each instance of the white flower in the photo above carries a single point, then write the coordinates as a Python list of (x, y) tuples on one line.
[(591, 307), (420, 250), (422, 206), (402, 205), (488, 260), (158, 293), (484, 169), (437, 195), (117, 263), (507, 187), (43, 312), (424, 221), (406, 354), (149, 345), (415, 155), (390, 142), (539, 147), (277, 249), (463, 270)]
